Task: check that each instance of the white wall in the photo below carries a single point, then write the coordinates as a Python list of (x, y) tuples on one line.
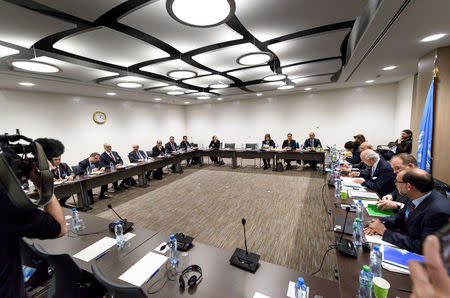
[(334, 115), (69, 119), (403, 105)]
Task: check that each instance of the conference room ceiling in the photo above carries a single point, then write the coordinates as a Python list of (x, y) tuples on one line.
[(99, 44)]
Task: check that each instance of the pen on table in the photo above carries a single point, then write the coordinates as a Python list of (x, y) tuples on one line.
[(97, 258)]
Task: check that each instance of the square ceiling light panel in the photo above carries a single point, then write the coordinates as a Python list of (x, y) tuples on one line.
[(163, 68), (147, 83), (84, 9), (23, 27), (204, 82), (265, 86), (76, 71), (110, 46), (229, 91), (5, 51), (314, 68), (308, 48), (270, 19), (311, 81), (250, 74), (225, 59), (154, 20)]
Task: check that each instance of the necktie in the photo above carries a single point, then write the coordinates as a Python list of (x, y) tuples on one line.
[(373, 170), (173, 146), (139, 155), (312, 142), (58, 173), (410, 210), (112, 156)]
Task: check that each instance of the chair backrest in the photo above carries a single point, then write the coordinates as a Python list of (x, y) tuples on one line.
[(230, 145), (149, 153), (67, 274), (250, 146), (75, 169), (116, 290)]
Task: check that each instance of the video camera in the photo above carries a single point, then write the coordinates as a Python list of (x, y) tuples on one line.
[(16, 167)]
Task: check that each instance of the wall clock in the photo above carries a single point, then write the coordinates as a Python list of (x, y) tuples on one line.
[(99, 117)]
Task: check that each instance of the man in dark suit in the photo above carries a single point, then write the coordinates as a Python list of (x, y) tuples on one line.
[(379, 176), (186, 146), (171, 148), (311, 144), (92, 164), (289, 145), (62, 171), (112, 158), (158, 150), (138, 156), (425, 213)]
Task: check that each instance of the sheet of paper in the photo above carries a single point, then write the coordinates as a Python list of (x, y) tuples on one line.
[(348, 181), (95, 249), (158, 249), (144, 269), (291, 290), (377, 239), (365, 202), (128, 236), (259, 295), (363, 195)]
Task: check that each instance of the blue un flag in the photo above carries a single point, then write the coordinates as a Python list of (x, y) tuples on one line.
[(426, 133)]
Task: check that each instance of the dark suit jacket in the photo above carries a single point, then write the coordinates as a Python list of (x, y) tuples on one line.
[(271, 143), (355, 158), (168, 147), (382, 180), (84, 164), (157, 152), (292, 144), (185, 145), (214, 145), (64, 171), (398, 197), (427, 218), (308, 143), (133, 157), (105, 159), (404, 147)]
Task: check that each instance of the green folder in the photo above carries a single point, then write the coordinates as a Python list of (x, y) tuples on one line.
[(374, 211)]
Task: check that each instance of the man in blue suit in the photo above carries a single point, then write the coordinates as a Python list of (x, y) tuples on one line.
[(138, 156), (113, 157), (92, 164), (425, 213), (379, 176), (172, 147)]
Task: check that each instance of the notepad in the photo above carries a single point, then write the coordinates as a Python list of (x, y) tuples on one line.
[(348, 181), (95, 249), (144, 269), (259, 295), (363, 195), (377, 239), (374, 211)]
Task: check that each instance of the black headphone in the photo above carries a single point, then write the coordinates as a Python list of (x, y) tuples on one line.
[(193, 280)]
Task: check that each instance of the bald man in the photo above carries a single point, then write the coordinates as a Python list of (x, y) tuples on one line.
[(425, 213), (108, 157)]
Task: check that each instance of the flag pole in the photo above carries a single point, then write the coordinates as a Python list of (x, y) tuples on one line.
[(435, 80)]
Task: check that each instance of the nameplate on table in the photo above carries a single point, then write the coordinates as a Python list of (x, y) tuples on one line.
[(144, 269), (95, 249)]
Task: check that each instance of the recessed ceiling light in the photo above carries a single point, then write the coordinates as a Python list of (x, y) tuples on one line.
[(111, 93), (129, 85), (433, 37), (219, 98), (5, 51), (175, 92), (219, 86), (204, 97), (286, 87), (390, 67), (259, 94), (370, 81), (201, 13), (35, 66), (26, 84), (186, 102), (157, 99), (254, 58), (181, 74), (308, 88), (274, 77)]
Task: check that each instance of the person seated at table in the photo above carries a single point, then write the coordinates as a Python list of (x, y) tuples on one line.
[(108, 157), (289, 145), (215, 145), (359, 139), (62, 171), (158, 150), (401, 162), (351, 147), (361, 165), (379, 176), (138, 156), (171, 147), (311, 144), (426, 212), (92, 164), (268, 143), (187, 147)]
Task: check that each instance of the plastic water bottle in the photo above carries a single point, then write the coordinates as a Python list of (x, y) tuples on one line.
[(173, 251), (337, 188), (76, 222), (300, 288), (360, 210), (365, 283), (112, 167), (119, 234), (357, 230), (376, 258)]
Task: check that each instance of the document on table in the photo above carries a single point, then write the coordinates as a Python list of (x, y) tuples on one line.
[(363, 195), (95, 249), (377, 239), (259, 295), (144, 269)]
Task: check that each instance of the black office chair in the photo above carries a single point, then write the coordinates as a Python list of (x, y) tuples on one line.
[(230, 146), (68, 279), (75, 169), (252, 146), (116, 290)]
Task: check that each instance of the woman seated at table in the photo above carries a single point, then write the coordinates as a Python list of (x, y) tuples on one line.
[(352, 147), (214, 145), (268, 143)]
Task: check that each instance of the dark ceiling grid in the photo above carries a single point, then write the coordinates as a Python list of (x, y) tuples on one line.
[(109, 20)]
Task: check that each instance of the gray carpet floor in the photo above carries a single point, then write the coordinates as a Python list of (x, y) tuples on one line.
[(286, 220)]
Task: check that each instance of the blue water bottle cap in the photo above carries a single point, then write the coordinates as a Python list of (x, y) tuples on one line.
[(301, 281), (74, 209), (172, 237), (359, 201), (376, 248), (117, 223)]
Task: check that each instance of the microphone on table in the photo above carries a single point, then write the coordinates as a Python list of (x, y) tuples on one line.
[(347, 210), (345, 246), (242, 258), (127, 225)]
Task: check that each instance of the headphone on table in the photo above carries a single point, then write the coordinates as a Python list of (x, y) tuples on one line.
[(194, 279)]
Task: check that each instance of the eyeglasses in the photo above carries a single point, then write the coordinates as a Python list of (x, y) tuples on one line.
[(396, 181)]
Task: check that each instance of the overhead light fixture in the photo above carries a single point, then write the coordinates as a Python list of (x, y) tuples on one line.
[(130, 85), (27, 84), (201, 13), (35, 66), (275, 77), (254, 58), (175, 92), (219, 98), (390, 67), (285, 87), (433, 37), (219, 86), (157, 99), (259, 94), (370, 81), (111, 93), (181, 74), (308, 88), (5, 51), (204, 97), (186, 102)]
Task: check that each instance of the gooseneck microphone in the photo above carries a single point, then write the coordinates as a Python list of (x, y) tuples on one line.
[(245, 237), (345, 246), (345, 221), (242, 258), (127, 225), (110, 207)]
